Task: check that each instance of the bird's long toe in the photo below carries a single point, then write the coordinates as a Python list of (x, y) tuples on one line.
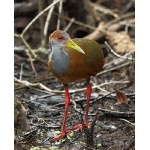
[(78, 127), (58, 137)]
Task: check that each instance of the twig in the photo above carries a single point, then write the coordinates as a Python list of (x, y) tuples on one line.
[(111, 82), (104, 10), (129, 25), (115, 62), (36, 57), (115, 68), (133, 124), (77, 110), (69, 24), (100, 85), (21, 71), (47, 8), (91, 10), (19, 49), (125, 8), (36, 84), (80, 23), (127, 15), (100, 31), (17, 35), (59, 15), (23, 7), (95, 35), (24, 82), (94, 121), (100, 88), (41, 19), (93, 100), (124, 57), (41, 91), (44, 126), (75, 107), (31, 61), (94, 28), (47, 24), (106, 95), (29, 52)]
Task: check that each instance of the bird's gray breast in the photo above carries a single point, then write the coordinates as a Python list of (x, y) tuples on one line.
[(60, 60)]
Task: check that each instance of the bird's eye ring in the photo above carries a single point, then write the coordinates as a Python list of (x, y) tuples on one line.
[(60, 37)]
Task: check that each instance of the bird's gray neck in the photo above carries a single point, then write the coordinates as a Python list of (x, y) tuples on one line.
[(59, 59)]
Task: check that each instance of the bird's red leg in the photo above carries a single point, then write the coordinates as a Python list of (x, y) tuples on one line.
[(63, 129), (86, 123), (88, 95)]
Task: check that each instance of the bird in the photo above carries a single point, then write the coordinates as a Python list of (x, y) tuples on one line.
[(74, 60)]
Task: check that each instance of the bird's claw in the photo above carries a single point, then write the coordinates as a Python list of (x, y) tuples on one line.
[(78, 127)]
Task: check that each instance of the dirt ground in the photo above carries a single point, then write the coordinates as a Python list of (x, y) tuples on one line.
[(112, 112)]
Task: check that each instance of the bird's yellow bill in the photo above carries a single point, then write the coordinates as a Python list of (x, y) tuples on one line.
[(73, 45)]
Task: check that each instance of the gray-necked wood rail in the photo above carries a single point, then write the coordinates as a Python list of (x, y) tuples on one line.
[(74, 60)]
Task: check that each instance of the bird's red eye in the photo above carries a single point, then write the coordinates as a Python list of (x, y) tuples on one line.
[(60, 37)]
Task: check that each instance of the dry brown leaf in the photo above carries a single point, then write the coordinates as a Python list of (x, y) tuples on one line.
[(121, 97), (120, 42)]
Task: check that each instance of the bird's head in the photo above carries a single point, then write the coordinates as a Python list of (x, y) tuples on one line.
[(62, 39)]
